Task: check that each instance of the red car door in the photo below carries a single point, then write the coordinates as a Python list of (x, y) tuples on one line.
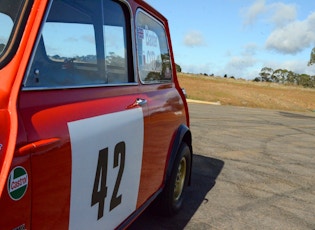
[(84, 118), (72, 141)]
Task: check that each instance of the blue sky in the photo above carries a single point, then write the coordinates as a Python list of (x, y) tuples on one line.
[(240, 37)]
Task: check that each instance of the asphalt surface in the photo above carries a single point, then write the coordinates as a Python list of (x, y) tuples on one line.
[(252, 169)]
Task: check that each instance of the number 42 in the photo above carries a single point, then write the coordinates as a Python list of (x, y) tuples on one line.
[(100, 188)]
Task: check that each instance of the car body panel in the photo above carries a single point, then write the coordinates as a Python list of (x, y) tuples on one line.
[(164, 115), (45, 135), (50, 119)]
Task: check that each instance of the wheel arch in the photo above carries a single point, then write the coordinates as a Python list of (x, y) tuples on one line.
[(183, 134)]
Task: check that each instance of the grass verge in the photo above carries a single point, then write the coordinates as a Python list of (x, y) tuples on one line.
[(247, 93)]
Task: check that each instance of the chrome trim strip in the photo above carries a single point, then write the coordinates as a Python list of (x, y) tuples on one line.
[(79, 86)]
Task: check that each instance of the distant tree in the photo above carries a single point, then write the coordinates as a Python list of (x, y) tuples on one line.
[(283, 76), (205, 74), (279, 75), (306, 80), (178, 68), (115, 60), (312, 57), (313, 81), (266, 74), (225, 76), (291, 77), (56, 57)]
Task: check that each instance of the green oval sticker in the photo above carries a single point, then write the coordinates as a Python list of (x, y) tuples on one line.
[(17, 183)]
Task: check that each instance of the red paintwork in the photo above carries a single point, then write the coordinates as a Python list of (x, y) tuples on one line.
[(10, 81), (34, 132)]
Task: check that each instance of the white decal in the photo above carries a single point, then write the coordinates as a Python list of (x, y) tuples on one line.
[(140, 33), (151, 52), (106, 165)]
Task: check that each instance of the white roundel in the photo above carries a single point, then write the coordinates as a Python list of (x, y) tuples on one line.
[(106, 165)]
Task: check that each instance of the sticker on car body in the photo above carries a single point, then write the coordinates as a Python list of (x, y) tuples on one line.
[(106, 165), (17, 183)]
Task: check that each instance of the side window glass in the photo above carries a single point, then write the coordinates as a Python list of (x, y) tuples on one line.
[(153, 53), (81, 46), (5, 30), (117, 43), (79, 42), (115, 53)]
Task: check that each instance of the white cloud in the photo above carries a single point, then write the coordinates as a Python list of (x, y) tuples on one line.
[(194, 38), (198, 68), (282, 13), (70, 39), (3, 40), (289, 36), (277, 13), (238, 66), (251, 13), (250, 49), (241, 66), (294, 37), (88, 38)]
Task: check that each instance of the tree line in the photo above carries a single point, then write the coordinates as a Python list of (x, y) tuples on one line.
[(284, 76), (288, 77)]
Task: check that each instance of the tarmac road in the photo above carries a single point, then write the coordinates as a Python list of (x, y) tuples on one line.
[(252, 169)]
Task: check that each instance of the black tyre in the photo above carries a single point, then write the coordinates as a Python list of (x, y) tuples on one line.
[(171, 199)]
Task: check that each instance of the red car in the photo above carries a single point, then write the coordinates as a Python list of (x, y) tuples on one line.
[(94, 124)]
